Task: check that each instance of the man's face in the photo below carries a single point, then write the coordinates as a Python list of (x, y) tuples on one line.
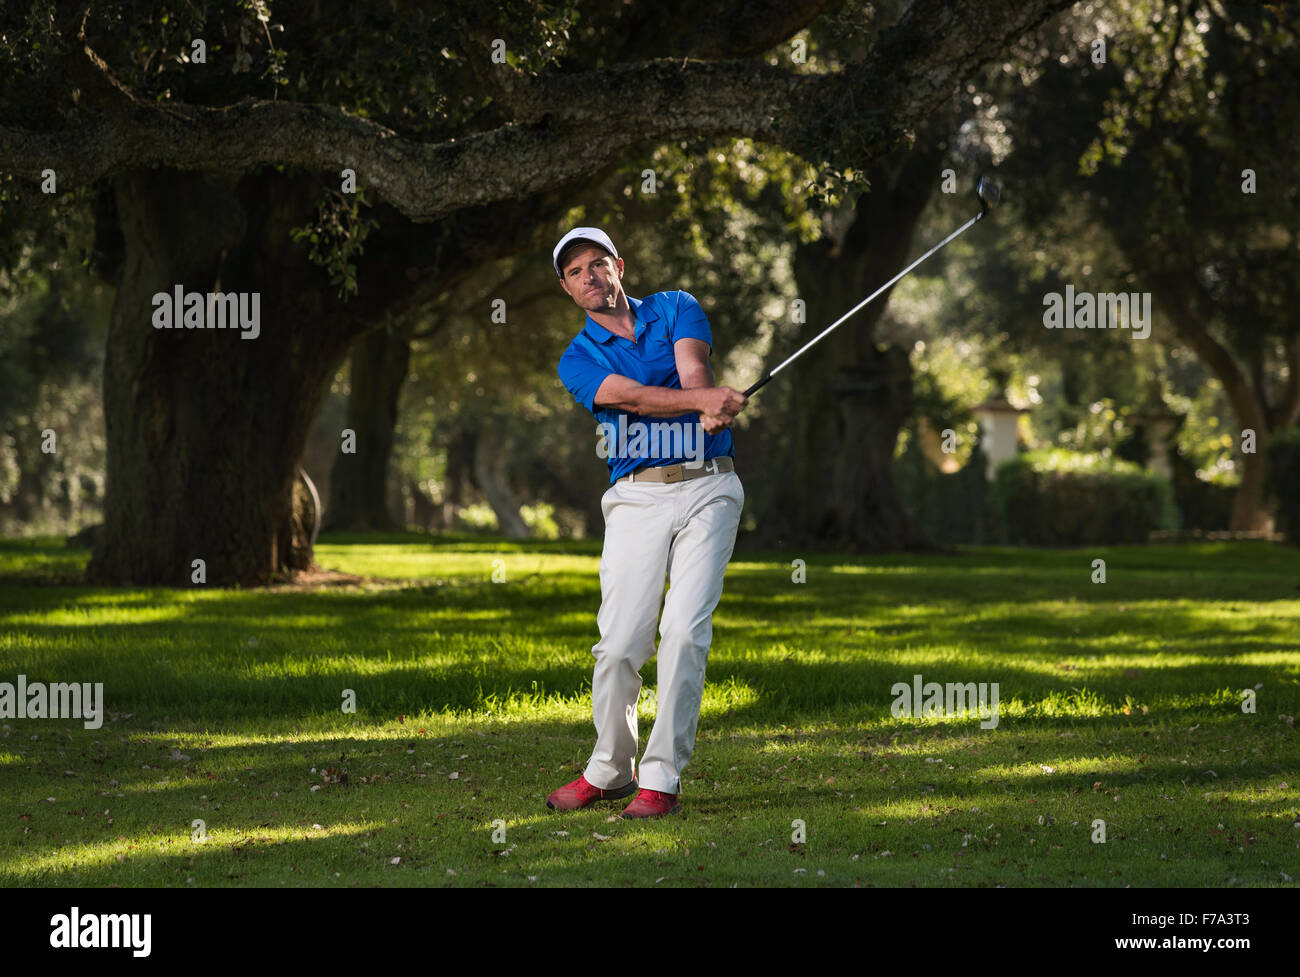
[(593, 279)]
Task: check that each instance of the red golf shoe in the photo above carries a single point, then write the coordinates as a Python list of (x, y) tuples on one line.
[(651, 804), (581, 793)]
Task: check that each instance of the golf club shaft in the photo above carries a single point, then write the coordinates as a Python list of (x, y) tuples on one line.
[(829, 329)]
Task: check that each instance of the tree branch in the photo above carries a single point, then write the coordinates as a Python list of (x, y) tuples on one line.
[(567, 125), (1250, 411), (93, 82)]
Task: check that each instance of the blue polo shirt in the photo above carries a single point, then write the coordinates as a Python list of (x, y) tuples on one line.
[(596, 353)]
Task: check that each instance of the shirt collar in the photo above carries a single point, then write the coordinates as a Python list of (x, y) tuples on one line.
[(645, 314)]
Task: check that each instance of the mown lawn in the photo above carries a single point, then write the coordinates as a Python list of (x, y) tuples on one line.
[(1119, 702)]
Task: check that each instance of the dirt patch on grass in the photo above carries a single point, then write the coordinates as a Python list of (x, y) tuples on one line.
[(316, 578)]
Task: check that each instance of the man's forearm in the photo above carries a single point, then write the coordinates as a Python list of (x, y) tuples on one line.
[(666, 401)]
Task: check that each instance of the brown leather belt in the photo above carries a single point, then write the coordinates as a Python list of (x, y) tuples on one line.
[(681, 473)]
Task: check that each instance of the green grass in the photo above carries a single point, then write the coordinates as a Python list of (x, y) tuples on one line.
[(1118, 701)]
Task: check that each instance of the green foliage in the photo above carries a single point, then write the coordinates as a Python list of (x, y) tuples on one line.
[(1155, 50), (836, 40), (541, 520), (1067, 498), (60, 491), (1189, 99), (53, 319), (948, 379), (1102, 428), (1205, 436), (337, 237), (702, 182), (948, 508), (419, 68), (727, 212), (1284, 471), (1202, 504)]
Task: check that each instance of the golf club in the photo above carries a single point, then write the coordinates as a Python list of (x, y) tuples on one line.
[(990, 194)]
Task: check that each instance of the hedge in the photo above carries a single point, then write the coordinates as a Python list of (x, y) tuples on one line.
[(1066, 498), (948, 509)]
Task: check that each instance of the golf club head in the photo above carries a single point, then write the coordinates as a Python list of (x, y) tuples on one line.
[(990, 193)]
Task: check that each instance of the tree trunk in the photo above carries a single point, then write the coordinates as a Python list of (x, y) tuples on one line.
[(491, 468), (875, 399), (295, 533), (847, 399), (1250, 506), (205, 427), (1251, 511), (359, 482), (425, 514), (461, 449)]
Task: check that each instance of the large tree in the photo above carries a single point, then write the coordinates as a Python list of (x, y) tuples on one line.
[(205, 168), (849, 396), (1177, 154)]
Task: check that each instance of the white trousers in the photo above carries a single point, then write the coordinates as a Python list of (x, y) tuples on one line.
[(685, 530)]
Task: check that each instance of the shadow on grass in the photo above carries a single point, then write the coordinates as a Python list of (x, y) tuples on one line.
[(413, 812), (488, 673)]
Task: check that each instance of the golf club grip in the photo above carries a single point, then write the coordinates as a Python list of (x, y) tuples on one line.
[(766, 377)]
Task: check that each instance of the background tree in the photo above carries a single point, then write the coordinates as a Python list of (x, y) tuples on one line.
[(203, 178), (1153, 147)]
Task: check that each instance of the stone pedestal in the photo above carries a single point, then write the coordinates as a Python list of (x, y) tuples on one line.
[(1000, 441)]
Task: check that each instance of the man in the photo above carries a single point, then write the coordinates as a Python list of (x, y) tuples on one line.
[(672, 508)]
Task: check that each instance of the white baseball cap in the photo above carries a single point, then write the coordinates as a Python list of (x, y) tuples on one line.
[(592, 235)]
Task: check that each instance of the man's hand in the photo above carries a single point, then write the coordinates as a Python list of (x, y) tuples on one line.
[(715, 423), (721, 401)]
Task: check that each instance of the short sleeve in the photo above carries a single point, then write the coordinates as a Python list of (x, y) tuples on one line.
[(690, 321), (582, 376)]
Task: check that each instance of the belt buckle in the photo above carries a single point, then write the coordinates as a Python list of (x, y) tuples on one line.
[(673, 473)]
